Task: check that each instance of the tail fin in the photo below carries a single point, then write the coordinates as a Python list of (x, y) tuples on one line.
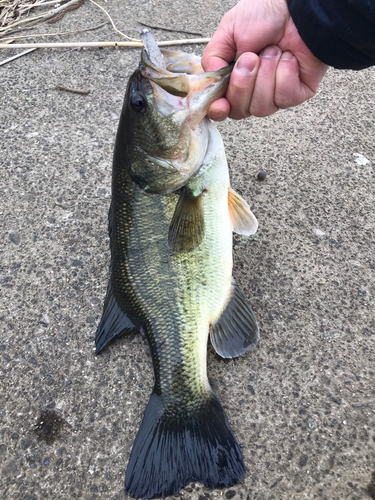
[(173, 448)]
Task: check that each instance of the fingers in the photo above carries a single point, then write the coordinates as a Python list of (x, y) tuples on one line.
[(290, 89), (219, 110), (219, 52), (260, 86), (241, 85), (263, 98), (251, 88), (252, 85), (239, 91)]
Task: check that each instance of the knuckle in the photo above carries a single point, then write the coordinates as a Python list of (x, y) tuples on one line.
[(239, 88), (239, 116), (286, 95), (261, 111), (284, 101)]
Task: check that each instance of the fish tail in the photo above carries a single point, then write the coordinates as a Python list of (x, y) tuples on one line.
[(174, 448)]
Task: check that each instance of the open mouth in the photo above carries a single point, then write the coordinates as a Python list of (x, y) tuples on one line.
[(178, 73)]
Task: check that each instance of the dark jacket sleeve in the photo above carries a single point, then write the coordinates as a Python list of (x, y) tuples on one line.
[(340, 33)]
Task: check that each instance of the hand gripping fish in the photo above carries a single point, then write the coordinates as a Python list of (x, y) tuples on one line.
[(170, 224)]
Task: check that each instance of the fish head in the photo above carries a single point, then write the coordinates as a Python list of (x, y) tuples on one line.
[(164, 117)]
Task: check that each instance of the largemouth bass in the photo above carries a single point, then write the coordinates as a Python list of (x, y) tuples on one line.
[(170, 224)]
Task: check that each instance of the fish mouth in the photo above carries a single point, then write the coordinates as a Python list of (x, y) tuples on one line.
[(184, 84), (180, 74)]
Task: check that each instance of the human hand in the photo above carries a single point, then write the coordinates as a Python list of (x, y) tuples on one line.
[(284, 74)]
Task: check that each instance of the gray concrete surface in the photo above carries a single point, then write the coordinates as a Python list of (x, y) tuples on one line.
[(302, 404)]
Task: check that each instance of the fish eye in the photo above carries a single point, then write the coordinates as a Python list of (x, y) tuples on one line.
[(137, 103)]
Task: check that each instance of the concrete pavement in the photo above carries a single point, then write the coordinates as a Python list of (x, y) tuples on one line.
[(302, 404)]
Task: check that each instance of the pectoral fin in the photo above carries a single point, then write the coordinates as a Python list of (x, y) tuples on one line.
[(236, 332), (114, 322), (243, 220), (186, 230)]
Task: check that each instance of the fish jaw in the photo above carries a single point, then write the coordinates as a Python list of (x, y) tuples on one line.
[(181, 74), (204, 90), (151, 50), (193, 92)]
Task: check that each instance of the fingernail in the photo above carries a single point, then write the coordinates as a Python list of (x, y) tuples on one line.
[(271, 52), (245, 64), (287, 56)]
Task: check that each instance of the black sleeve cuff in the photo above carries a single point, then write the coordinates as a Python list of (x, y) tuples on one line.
[(340, 33)]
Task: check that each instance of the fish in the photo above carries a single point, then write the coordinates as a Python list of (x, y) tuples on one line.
[(171, 220)]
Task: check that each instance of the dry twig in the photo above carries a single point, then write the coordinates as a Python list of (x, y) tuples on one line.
[(63, 45), (36, 19), (75, 91), (14, 9), (53, 34), (168, 29), (40, 4), (62, 13), (17, 56)]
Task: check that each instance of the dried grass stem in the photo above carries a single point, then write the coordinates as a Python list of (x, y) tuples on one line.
[(41, 17), (99, 44)]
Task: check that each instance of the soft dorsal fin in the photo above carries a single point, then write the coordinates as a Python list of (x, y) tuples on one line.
[(114, 322), (243, 220), (186, 230), (236, 332)]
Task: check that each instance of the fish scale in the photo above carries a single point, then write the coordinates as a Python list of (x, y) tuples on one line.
[(169, 279)]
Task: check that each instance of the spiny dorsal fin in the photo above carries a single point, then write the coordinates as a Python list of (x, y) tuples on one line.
[(236, 332), (186, 230), (114, 322), (243, 220)]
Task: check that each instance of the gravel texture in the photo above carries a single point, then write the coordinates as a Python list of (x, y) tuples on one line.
[(302, 404)]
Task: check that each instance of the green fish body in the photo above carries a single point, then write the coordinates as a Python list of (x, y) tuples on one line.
[(171, 277)]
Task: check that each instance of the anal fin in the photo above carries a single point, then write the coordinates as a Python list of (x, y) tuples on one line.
[(243, 220), (114, 322), (186, 230), (236, 332)]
